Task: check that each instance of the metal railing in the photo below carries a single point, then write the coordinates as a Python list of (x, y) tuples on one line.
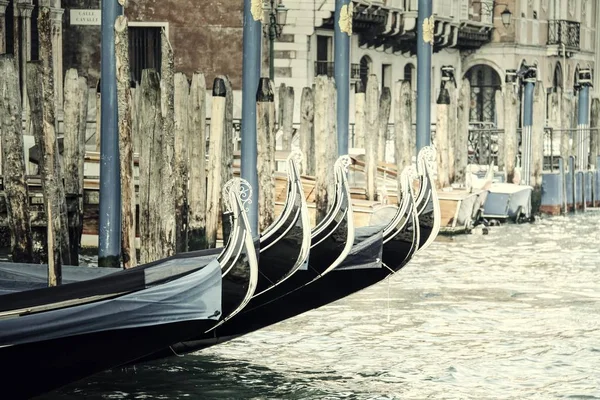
[(324, 68), (484, 146), (328, 68), (564, 32)]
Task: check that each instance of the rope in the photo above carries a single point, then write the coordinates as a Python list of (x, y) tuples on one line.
[(174, 352)]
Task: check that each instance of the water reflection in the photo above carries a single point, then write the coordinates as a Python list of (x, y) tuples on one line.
[(514, 314)]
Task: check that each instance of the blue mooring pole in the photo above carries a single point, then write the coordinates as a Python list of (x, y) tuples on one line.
[(527, 154), (250, 79), (109, 248), (341, 37), (425, 31), (583, 121)]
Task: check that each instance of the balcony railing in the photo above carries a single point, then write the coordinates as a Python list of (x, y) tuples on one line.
[(564, 32), (327, 68)]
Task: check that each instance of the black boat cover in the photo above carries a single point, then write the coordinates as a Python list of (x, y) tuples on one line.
[(193, 296), (367, 249)]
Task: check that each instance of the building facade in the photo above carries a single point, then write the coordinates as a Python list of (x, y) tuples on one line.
[(559, 36)]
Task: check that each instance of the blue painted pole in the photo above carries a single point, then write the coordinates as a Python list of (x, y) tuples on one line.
[(109, 249), (250, 79), (424, 50), (342, 76), (583, 127), (527, 153)]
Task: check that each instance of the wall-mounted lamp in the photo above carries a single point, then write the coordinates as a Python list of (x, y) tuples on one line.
[(506, 15)]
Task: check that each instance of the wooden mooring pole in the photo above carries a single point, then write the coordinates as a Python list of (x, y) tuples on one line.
[(325, 144), (167, 233), (266, 153), (197, 167), (461, 141), (442, 137), (359, 116), (385, 108), (286, 116), (182, 98), (511, 106), (13, 162), (128, 199), (372, 140), (537, 145), (405, 143), (42, 119), (566, 125), (217, 127), (74, 152), (150, 122), (307, 130)]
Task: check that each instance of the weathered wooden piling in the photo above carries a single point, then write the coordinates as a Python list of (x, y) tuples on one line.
[(13, 162), (286, 116), (385, 108), (167, 233), (128, 199), (461, 141), (325, 145), (511, 107), (266, 154), (537, 145), (227, 159), (442, 137), (372, 137), (499, 101), (566, 124), (83, 117), (403, 126), (197, 148), (217, 128), (74, 152), (359, 115), (182, 95), (307, 131), (151, 124), (227, 153), (452, 130), (595, 133), (45, 31), (554, 114), (42, 120), (136, 116)]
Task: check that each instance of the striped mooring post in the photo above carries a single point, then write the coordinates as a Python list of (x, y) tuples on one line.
[(526, 156), (584, 81)]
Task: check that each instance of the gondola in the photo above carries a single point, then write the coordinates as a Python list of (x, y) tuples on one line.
[(427, 202), (331, 242), (285, 245), (50, 337), (400, 238)]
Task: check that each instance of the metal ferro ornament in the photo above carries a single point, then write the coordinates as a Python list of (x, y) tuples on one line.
[(346, 14), (257, 10), (428, 29)]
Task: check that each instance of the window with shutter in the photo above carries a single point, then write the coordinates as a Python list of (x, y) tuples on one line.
[(144, 50)]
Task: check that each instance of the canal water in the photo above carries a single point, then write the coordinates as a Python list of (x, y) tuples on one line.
[(510, 315)]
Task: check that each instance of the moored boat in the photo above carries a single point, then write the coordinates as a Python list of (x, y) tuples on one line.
[(54, 336)]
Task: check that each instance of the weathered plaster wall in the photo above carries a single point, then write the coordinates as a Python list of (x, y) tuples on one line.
[(206, 35), (81, 44)]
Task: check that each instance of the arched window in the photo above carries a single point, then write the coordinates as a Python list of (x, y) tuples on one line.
[(557, 79), (484, 84), (365, 69), (9, 38)]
